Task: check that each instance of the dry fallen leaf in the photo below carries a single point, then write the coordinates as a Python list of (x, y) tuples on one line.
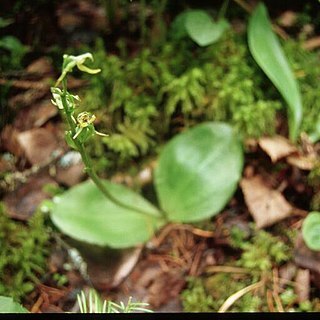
[(276, 147), (40, 66), (38, 145), (44, 111), (107, 267), (70, 169), (267, 206), (302, 162), (22, 202), (9, 141), (304, 257)]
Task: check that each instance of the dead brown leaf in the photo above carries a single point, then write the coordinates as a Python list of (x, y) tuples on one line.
[(29, 96), (70, 169), (22, 202), (38, 145), (107, 267), (302, 162), (266, 205), (304, 257), (45, 111), (276, 147), (9, 141), (40, 66)]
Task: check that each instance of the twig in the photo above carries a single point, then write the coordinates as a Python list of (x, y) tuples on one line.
[(270, 301), (227, 269), (275, 293), (36, 307)]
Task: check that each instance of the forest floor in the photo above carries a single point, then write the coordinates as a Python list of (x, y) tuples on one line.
[(249, 257)]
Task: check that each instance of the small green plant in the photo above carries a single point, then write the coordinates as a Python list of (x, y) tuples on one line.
[(199, 26), (101, 213), (12, 50), (311, 230), (24, 249), (93, 304)]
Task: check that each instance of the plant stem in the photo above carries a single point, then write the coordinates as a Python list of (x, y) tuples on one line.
[(142, 18), (223, 9), (87, 161)]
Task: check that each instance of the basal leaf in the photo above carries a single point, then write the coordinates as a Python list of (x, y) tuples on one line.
[(267, 52), (311, 230), (85, 214), (198, 172), (7, 305), (202, 29)]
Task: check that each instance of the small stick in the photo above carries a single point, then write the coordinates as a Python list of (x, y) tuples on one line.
[(233, 298)]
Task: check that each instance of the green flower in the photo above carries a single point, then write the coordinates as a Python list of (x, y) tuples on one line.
[(57, 99), (85, 128), (69, 62)]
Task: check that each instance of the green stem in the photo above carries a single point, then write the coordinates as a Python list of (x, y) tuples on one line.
[(87, 161), (142, 18), (223, 9)]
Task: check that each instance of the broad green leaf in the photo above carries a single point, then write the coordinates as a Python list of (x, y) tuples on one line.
[(198, 172), (85, 214), (266, 50), (177, 28), (202, 29), (311, 230), (7, 305)]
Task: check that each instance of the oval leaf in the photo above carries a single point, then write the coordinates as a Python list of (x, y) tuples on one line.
[(202, 29), (267, 52), (85, 214), (311, 230), (7, 305), (198, 172)]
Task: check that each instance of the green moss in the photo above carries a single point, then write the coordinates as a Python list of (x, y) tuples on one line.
[(24, 249), (195, 298), (263, 252), (140, 100)]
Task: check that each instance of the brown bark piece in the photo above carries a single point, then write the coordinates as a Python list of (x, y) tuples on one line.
[(302, 286), (38, 145), (276, 147), (267, 206)]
